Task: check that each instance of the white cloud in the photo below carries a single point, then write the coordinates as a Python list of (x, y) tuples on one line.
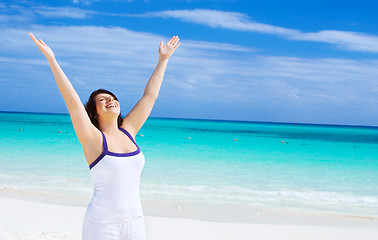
[(27, 61), (88, 2), (85, 2), (15, 14), (209, 46), (123, 60), (5, 18), (62, 12), (27, 14), (221, 19), (122, 57), (352, 41), (346, 40)]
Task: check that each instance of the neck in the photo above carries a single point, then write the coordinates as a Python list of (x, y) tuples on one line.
[(109, 125)]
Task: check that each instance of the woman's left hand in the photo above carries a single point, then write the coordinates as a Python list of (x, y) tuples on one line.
[(165, 51)]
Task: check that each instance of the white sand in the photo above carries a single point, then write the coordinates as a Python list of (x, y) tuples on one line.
[(21, 219)]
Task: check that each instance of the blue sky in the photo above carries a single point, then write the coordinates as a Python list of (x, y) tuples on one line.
[(279, 61)]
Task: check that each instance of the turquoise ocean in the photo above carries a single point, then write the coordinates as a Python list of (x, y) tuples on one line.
[(318, 168)]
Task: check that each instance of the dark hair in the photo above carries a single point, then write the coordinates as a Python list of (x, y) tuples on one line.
[(91, 109)]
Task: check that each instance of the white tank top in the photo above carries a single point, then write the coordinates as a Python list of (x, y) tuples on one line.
[(116, 185)]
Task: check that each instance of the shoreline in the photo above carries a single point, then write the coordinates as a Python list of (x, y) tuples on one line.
[(208, 211), (215, 213), (24, 219)]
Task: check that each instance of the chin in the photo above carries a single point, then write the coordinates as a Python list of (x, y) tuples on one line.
[(115, 112)]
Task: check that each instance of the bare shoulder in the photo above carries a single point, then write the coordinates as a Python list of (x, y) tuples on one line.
[(129, 128), (93, 148)]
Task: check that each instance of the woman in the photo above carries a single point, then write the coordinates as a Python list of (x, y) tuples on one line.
[(114, 158)]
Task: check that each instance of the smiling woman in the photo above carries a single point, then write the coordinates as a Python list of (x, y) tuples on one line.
[(115, 211), (102, 96)]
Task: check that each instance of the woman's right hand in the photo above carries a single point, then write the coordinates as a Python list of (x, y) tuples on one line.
[(46, 50)]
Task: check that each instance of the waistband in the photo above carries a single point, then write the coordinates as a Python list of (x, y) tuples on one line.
[(119, 220)]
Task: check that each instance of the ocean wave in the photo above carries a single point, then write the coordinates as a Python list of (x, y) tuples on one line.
[(294, 199), (38, 184), (340, 202), (233, 192)]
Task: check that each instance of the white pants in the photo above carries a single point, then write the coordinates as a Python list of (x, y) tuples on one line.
[(127, 230)]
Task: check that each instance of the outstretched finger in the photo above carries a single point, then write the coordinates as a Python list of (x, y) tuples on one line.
[(34, 39), (40, 40), (172, 39), (174, 43), (177, 45)]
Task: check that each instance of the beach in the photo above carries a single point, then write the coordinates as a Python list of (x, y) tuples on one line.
[(224, 120), (21, 219), (203, 179)]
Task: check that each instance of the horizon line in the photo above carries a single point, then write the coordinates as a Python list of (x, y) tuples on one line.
[(225, 120)]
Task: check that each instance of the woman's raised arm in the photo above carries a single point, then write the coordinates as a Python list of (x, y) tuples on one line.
[(140, 112), (84, 129)]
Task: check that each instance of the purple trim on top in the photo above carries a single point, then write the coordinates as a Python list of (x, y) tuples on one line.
[(105, 147), (107, 152), (97, 160), (104, 143), (129, 135)]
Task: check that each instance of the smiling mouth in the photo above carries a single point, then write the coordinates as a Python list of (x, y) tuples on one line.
[(111, 105)]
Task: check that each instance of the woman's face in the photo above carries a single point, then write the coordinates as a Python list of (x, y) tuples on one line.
[(106, 104)]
